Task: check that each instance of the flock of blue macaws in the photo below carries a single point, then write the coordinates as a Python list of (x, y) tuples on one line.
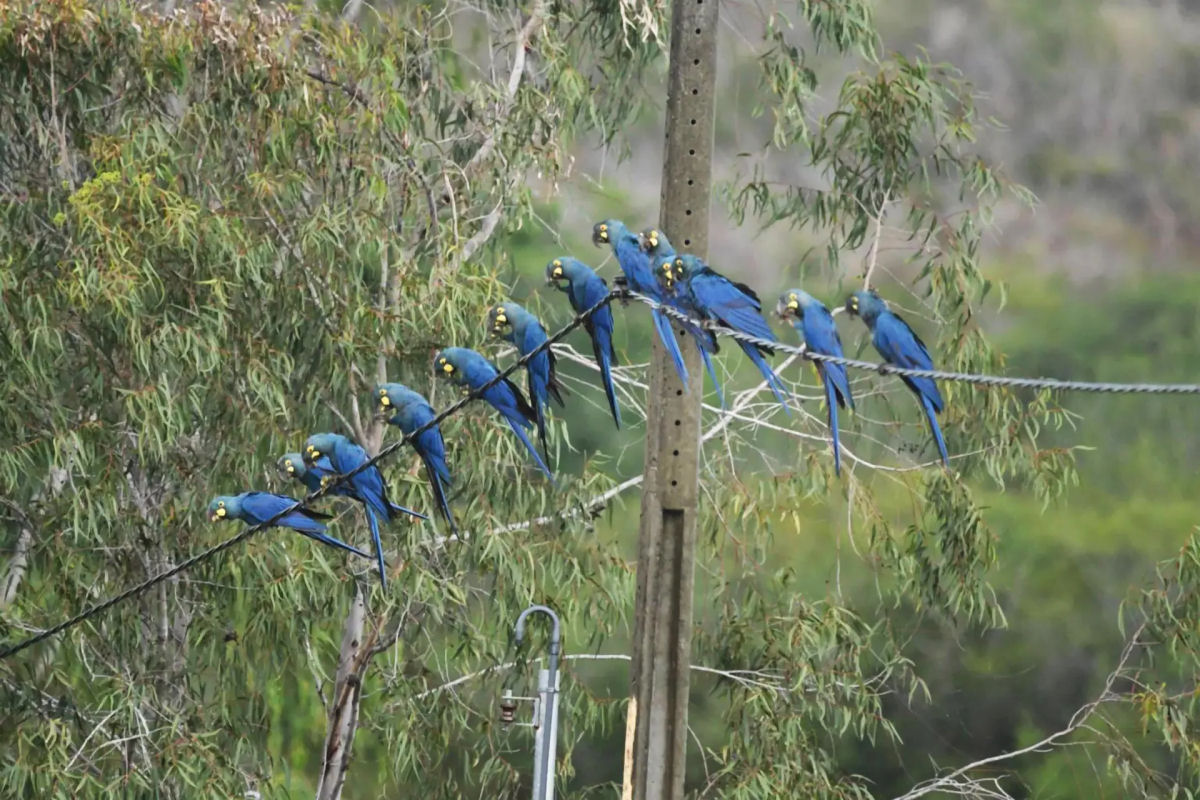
[(650, 267)]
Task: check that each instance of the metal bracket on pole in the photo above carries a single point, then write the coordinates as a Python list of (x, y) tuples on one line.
[(667, 536)]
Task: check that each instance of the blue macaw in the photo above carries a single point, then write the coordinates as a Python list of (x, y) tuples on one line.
[(309, 476), (814, 322), (584, 288), (635, 263), (733, 305), (367, 486), (469, 370), (408, 411), (255, 508), (514, 324), (315, 475), (656, 244), (900, 345)]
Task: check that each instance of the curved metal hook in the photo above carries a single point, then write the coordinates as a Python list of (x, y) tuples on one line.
[(555, 631)]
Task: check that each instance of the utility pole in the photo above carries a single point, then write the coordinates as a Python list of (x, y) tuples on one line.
[(667, 536)]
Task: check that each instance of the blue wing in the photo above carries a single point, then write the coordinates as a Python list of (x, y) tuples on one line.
[(821, 336), (507, 399), (636, 266), (900, 345), (735, 306), (258, 507)]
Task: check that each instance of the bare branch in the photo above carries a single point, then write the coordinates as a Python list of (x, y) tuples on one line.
[(957, 781), (873, 255)]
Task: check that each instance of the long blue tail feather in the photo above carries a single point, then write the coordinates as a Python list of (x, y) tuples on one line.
[(831, 399), (332, 542), (399, 509), (532, 451), (663, 323), (930, 414), (712, 373), (777, 388), (601, 351), (439, 492), (373, 522)]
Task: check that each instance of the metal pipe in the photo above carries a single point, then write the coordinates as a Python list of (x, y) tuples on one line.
[(543, 779)]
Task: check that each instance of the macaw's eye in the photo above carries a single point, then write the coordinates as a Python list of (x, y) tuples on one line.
[(557, 264), (603, 228)]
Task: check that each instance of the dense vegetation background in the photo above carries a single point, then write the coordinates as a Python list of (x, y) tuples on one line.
[(1096, 111)]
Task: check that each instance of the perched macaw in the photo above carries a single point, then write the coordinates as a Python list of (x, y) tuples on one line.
[(255, 508), (584, 288), (514, 324), (309, 476), (470, 371), (900, 345), (656, 244), (639, 275), (367, 486), (408, 411), (812, 319), (733, 305)]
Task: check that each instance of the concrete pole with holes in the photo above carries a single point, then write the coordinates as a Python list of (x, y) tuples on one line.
[(667, 537)]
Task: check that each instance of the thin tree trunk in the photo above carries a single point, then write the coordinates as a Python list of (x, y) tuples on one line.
[(16, 567), (347, 692)]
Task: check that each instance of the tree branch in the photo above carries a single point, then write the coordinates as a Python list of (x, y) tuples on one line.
[(956, 782), (873, 254)]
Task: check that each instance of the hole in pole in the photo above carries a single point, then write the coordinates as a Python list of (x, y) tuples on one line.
[(674, 483), (674, 452), (677, 423), (679, 392), (687, 241)]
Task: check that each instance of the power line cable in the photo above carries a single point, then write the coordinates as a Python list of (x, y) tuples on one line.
[(890, 369)]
